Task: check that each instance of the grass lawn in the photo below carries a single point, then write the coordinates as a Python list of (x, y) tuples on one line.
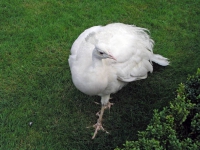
[(35, 81)]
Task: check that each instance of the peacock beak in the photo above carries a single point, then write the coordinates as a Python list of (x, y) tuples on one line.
[(111, 57)]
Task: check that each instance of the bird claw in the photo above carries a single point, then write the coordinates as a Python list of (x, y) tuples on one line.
[(98, 113), (97, 103), (98, 126), (108, 105)]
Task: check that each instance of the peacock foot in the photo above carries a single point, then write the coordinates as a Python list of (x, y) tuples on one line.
[(98, 126), (108, 105)]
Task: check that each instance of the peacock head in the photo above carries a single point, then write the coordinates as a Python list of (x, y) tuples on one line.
[(101, 52)]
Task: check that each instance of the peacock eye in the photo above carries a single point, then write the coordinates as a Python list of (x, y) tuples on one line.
[(101, 53)]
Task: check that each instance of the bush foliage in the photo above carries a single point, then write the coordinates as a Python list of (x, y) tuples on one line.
[(176, 127)]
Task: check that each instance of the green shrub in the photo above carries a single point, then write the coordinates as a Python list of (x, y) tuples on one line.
[(176, 127)]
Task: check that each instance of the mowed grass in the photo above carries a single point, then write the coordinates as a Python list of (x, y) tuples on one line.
[(39, 106)]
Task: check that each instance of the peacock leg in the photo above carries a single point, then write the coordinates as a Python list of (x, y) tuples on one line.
[(98, 126)]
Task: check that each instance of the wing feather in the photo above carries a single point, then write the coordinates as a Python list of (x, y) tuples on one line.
[(132, 47)]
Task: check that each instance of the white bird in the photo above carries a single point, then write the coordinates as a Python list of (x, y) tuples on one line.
[(105, 58)]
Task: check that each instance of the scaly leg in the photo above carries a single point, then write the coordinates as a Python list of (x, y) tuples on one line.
[(98, 126)]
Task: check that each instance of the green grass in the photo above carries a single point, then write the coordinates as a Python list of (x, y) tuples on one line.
[(35, 80)]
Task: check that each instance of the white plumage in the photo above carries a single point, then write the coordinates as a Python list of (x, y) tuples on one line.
[(105, 58)]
